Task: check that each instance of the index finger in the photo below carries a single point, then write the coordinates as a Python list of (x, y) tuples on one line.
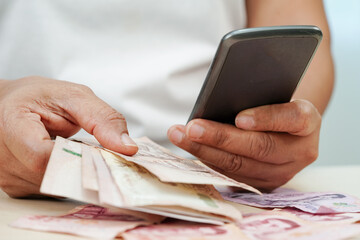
[(100, 119), (257, 145), (298, 117)]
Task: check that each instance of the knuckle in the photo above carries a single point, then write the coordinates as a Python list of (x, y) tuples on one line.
[(306, 155), (104, 117), (231, 163), (221, 138), (84, 88), (195, 149), (311, 154), (304, 113), (112, 115), (261, 146), (78, 90)]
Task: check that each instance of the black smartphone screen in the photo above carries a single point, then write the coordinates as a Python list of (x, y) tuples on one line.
[(250, 70)]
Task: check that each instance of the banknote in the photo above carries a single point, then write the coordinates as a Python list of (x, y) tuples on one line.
[(171, 168), (335, 232), (108, 191), (185, 231), (63, 173), (126, 194), (102, 223), (188, 214), (264, 225), (140, 188), (63, 176), (279, 225), (88, 171), (331, 218), (312, 202), (88, 221), (110, 195)]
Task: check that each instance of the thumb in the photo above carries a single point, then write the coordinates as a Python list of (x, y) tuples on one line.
[(99, 119)]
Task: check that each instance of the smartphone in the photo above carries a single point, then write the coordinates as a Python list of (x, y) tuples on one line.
[(254, 67)]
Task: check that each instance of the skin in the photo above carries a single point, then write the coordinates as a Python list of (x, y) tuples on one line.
[(269, 144), (33, 110), (267, 147)]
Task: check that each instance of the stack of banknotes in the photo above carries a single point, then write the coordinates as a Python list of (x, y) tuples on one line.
[(158, 195)]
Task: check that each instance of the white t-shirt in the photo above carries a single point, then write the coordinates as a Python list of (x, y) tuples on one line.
[(146, 58)]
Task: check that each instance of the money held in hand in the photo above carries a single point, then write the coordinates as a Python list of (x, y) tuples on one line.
[(137, 183), (158, 195)]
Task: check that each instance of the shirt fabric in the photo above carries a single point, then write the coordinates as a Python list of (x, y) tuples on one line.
[(146, 58)]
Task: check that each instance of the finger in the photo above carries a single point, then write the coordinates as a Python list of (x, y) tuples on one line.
[(261, 175), (27, 139), (56, 120), (227, 162), (57, 125), (258, 174), (298, 117), (98, 118), (261, 146)]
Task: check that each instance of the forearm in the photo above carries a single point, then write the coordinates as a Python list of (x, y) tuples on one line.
[(318, 82), (2, 82)]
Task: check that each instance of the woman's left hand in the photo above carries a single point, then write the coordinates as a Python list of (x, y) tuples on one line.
[(266, 148)]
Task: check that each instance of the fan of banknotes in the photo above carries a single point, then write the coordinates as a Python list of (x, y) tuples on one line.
[(152, 181), (158, 195)]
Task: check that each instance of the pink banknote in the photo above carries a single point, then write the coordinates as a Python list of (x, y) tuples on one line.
[(181, 230), (281, 225), (88, 221), (331, 218)]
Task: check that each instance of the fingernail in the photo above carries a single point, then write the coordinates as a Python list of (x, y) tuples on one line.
[(176, 136), (196, 131), (127, 141), (245, 121)]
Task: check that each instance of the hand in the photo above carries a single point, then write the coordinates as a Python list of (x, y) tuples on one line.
[(266, 148), (34, 109)]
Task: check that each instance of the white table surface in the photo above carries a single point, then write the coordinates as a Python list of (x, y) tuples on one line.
[(343, 179)]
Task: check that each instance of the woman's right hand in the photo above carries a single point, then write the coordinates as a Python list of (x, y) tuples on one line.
[(34, 109)]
